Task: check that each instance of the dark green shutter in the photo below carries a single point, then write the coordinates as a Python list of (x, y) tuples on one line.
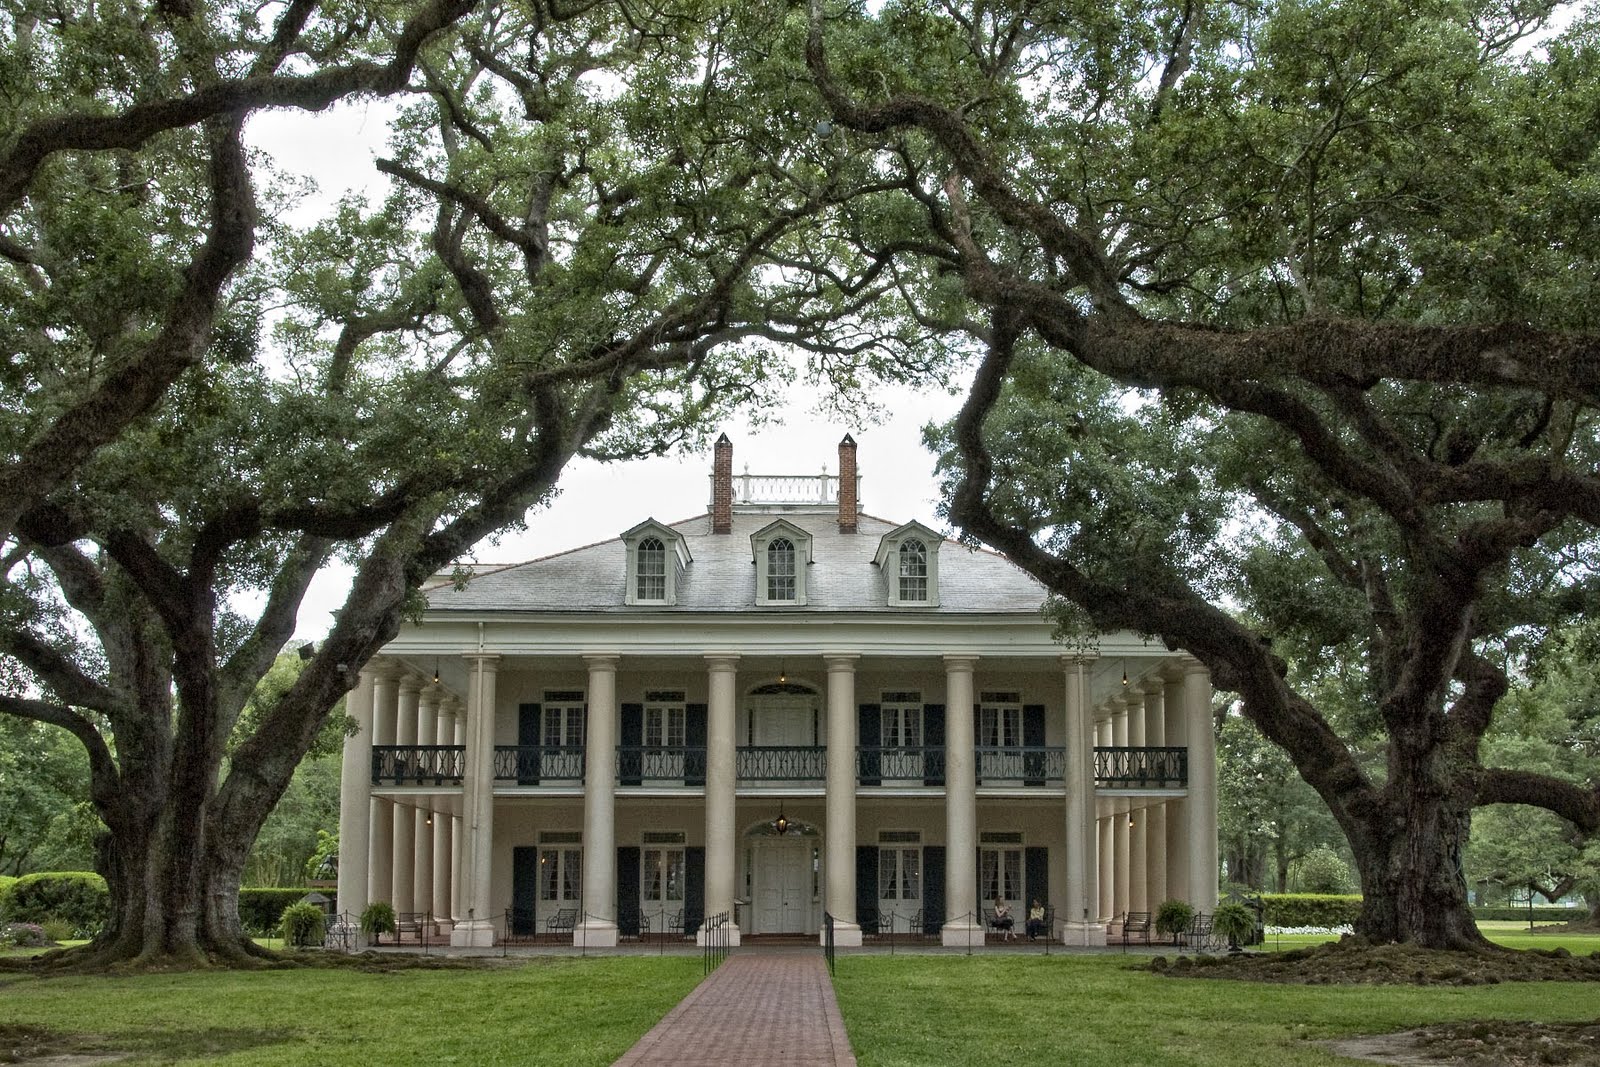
[(869, 735), (694, 889), (524, 890), (628, 891), (932, 889), (528, 736), (694, 738), (933, 744), (1033, 744), (867, 888), (977, 742), (1036, 875), (630, 762)]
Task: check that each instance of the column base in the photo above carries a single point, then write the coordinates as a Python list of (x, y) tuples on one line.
[(595, 933), (845, 935), (1084, 934), (959, 933), (729, 931), (474, 933)]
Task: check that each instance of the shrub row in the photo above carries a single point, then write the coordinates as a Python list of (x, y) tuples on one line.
[(1310, 909), (77, 899), (1543, 915)]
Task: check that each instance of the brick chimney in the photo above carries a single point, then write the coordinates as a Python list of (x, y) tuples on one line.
[(722, 486), (848, 507)]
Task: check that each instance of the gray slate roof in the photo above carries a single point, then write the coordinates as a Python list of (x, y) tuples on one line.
[(722, 578)]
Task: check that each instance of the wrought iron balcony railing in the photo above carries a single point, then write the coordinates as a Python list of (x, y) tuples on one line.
[(920, 764), (538, 764), (1141, 768), (1028, 764), (661, 765), (418, 764), (782, 763)]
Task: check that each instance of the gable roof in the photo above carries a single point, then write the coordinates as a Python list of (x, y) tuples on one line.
[(842, 578)]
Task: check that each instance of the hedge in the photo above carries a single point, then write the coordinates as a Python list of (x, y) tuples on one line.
[(261, 908), (1513, 913), (1310, 909), (77, 898)]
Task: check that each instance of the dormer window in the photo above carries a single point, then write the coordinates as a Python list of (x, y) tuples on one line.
[(780, 571), (913, 571), (657, 557), (781, 552), (908, 557)]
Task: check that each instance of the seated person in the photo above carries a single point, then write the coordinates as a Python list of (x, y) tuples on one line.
[(1035, 919), (1002, 917)]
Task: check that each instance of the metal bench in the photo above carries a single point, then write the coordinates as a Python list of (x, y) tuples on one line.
[(563, 921), (1135, 924)]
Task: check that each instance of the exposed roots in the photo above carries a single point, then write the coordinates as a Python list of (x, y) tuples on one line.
[(1354, 961)]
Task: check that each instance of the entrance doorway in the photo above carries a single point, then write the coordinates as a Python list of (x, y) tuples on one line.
[(783, 891)]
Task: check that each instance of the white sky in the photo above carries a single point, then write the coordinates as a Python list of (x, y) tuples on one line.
[(599, 501)]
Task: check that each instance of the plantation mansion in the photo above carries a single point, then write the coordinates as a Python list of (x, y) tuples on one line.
[(782, 708)]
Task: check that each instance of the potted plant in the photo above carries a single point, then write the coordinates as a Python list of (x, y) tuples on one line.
[(302, 924), (1173, 917), (1235, 922), (377, 919)]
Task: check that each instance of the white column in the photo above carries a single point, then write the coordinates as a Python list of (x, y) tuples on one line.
[(840, 821), (1202, 785), (405, 823), (1138, 837), (444, 734), (458, 904), (1080, 907), (1119, 822), (477, 794), (1108, 844), (422, 869), (355, 800), (598, 928), (1177, 810), (1155, 734), (380, 874), (963, 925), (722, 835)]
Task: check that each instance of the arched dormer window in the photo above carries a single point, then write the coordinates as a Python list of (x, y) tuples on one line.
[(781, 552), (780, 571), (651, 578), (657, 558), (908, 557), (913, 571)]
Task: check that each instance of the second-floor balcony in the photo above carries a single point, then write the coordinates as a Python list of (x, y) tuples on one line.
[(1026, 766)]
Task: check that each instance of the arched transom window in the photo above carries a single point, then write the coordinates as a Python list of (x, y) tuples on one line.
[(652, 573), (780, 570), (913, 571)]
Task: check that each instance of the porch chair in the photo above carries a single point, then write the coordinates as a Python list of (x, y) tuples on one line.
[(994, 922), (1135, 924), (563, 921)]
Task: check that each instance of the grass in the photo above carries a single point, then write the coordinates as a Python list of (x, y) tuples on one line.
[(1098, 1011), (562, 1012), (1509, 934)]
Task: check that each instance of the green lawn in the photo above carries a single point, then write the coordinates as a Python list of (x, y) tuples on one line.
[(1097, 1011), (558, 1012), (1510, 934)]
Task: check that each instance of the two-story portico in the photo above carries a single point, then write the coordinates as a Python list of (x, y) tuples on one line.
[(778, 708)]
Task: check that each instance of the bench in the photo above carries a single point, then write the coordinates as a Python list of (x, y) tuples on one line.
[(563, 921), (1135, 924), (1006, 925)]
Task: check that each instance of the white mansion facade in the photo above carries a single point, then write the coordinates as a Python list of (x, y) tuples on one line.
[(781, 708)]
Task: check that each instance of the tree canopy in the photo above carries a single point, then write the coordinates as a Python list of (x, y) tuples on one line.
[(1285, 311)]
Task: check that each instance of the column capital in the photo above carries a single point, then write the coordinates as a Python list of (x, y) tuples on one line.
[(380, 668), (1154, 687), (840, 661), (433, 694), (1190, 665), (722, 661), (1078, 659), (484, 661), (602, 661), (451, 705), (960, 662), (411, 683)]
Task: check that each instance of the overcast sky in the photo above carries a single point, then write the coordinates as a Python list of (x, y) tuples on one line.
[(599, 501)]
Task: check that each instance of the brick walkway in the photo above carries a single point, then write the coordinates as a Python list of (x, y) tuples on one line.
[(762, 1006)]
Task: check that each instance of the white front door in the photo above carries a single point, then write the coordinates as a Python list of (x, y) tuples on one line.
[(783, 888), (784, 720)]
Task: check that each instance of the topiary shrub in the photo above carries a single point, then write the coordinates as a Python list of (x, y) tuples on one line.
[(77, 898), (1173, 917), (302, 925), (377, 919), (261, 907), (1320, 871)]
